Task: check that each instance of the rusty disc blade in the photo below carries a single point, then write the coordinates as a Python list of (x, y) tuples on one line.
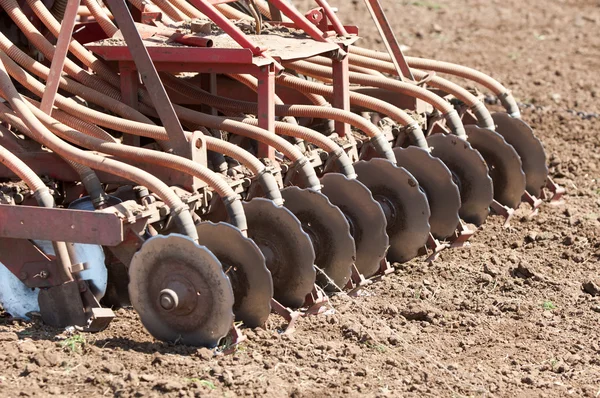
[(245, 266), (518, 134), (180, 291), (365, 217), (504, 164), (329, 233), (436, 180), (404, 205), (288, 251), (470, 173)]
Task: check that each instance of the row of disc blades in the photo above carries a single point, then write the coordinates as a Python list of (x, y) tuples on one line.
[(192, 293)]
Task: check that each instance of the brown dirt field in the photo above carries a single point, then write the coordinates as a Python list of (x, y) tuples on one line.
[(506, 317)]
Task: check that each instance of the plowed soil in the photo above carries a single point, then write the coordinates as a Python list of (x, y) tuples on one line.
[(512, 315)]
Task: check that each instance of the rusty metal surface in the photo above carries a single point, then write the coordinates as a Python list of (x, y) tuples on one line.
[(470, 174), (60, 55), (329, 232), (30, 222), (436, 180), (266, 108), (245, 266), (181, 292), (223, 50), (28, 263), (503, 162), (367, 220), (404, 204), (62, 306), (287, 249), (518, 134), (341, 92)]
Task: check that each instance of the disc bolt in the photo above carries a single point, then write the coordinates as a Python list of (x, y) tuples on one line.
[(23, 275), (168, 299), (44, 274)]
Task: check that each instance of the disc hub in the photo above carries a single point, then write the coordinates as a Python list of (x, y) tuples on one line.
[(168, 300), (178, 296), (388, 209)]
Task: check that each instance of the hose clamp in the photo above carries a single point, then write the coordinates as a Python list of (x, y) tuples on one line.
[(509, 103), (227, 200), (43, 197)]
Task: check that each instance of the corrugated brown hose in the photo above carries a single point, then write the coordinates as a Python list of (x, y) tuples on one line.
[(503, 94), (445, 108), (484, 118), (329, 113), (180, 211), (365, 101)]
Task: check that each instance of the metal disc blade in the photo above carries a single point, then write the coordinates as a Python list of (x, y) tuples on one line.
[(436, 180), (403, 202), (518, 134), (180, 291), (16, 298), (288, 252), (365, 216), (470, 173), (245, 266), (329, 232), (504, 164), (117, 293)]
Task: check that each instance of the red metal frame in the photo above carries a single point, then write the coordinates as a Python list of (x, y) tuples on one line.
[(143, 62), (60, 55), (77, 226), (330, 14), (266, 107), (341, 92), (206, 7), (300, 20), (389, 38), (28, 263)]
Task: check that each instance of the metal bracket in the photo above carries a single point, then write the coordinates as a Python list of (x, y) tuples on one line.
[(28, 263)]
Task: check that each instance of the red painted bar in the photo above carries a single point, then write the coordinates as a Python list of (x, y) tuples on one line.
[(77, 226), (266, 107), (335, 21), (60, 55), (389, 39), (341, 92)]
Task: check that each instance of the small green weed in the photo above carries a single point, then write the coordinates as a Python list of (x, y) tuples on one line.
[(205, 383), (74, 343), (548, 305), (418, 294)]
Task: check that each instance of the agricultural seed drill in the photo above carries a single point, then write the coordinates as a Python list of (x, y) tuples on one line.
[(211, 161)]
